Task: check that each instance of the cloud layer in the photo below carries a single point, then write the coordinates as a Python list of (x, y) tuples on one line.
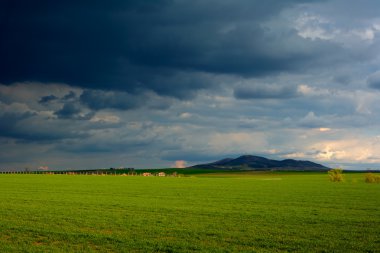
[(149, 83)]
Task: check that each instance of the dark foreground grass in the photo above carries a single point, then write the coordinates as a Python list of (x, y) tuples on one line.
[(280, 212)]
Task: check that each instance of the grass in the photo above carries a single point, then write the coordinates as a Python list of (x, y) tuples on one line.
[(180, 171), (219, 212)]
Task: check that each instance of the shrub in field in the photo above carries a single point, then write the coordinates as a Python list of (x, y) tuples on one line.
[(372, 178), (336, 175)]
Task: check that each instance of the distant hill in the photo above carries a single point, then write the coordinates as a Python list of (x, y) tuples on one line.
[(250, 162)]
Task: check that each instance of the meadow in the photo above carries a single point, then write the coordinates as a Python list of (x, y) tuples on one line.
[(220, 212)]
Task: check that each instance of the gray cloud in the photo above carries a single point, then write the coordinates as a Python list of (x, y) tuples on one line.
[(9, 121), (68, 110), (69, 96), (72, 110), (312, 121), (27, 127), (97, 100), (342, 79), (373, 80), (47, 99), (265, 91), (194, 157)]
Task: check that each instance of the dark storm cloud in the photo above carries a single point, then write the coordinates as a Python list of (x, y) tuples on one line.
[(134, 45)]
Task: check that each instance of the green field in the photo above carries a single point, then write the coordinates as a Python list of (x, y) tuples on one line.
[(222, 212)]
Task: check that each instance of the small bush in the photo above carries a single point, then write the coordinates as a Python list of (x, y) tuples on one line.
[(336, 175), (372, 178)]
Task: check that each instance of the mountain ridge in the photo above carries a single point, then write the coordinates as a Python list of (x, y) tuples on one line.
[(251, 162)]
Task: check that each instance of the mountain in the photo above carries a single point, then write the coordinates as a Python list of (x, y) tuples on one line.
[(250, 162)]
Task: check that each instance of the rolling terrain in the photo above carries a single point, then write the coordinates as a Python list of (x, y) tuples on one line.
[(249, 162)]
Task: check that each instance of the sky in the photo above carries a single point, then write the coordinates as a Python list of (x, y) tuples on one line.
[(173, 83)]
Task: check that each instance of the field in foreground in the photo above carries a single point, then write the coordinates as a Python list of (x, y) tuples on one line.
[(263, 212)]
